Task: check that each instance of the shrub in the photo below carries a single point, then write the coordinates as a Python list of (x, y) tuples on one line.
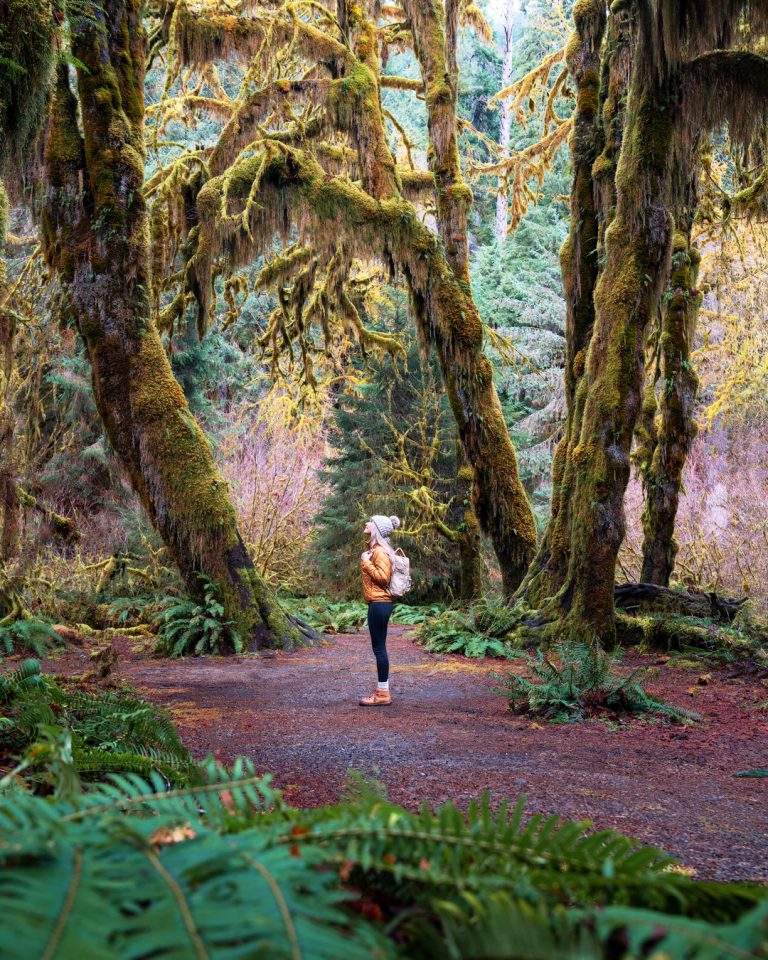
[(583, 683), (478, 632)]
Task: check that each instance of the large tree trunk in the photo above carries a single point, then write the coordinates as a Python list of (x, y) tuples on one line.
[(96, 235), (579, 262), (500, 499), (677, 428), (637, 248)]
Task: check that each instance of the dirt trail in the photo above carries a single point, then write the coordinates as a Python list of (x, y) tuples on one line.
[(448, 736)]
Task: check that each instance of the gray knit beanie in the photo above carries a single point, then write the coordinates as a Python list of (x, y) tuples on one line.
[(385, 525)]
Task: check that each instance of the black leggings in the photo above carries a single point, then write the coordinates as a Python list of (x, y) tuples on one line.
[(379, 613)]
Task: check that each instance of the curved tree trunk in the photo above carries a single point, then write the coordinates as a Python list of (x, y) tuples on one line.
[(96, 235), (501, 503)]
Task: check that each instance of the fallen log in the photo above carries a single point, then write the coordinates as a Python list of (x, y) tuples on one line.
[(62, 526), (642, 598)]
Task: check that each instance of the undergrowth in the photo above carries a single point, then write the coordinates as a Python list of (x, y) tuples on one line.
[(187, 627), (227, 869), (105, 732), (477, 632), (349, 616), (33, 636), (575, 681)]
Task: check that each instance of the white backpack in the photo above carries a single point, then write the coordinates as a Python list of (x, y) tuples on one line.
[(400, 582)]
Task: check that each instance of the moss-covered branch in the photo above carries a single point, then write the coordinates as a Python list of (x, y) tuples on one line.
[(262, 195)]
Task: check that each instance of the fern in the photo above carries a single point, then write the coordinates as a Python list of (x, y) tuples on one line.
[(455, 631), (226, 869), (327, 616), (414, 615), (188, 628), (174, 882), (578, 680), (104, 729), (29, 636)]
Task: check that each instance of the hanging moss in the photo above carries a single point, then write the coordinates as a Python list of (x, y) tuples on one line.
[(289, 183), (29, 32)]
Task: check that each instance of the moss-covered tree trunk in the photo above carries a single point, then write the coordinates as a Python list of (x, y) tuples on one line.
[(470, 539), (96, 235), (638, 244), (501, 503), (676, 427), (579, 262)]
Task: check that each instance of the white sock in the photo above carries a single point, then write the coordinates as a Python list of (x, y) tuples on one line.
[(383, 685)]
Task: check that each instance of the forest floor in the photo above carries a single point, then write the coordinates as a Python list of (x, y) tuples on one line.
[(448, 736)]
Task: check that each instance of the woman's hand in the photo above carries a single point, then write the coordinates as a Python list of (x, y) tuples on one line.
[(365, 555)]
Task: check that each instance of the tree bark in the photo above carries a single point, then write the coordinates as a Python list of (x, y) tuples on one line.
[(637, 246), (677, 427), (470, 539), (96, 235)]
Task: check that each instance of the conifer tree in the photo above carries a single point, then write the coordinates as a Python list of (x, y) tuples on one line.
[(373, 431)]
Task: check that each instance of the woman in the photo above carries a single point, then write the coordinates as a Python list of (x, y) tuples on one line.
[(376, 567)]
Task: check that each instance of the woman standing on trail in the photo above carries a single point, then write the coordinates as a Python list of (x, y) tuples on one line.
[(376, 567)]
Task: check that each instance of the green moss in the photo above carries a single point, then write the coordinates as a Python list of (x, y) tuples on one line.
[(4, 213), (603, 166), (356, 91), (29, 34)]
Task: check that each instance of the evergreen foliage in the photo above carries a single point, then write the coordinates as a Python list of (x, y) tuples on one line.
[(362, 438)]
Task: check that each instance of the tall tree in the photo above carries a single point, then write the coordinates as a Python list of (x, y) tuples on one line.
[(337, 70), (96, 236), (683, 79)]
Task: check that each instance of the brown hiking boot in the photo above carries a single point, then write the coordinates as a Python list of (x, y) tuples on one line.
[(379, 698)]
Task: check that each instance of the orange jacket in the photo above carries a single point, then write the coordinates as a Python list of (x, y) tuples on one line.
[(377, 573)]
